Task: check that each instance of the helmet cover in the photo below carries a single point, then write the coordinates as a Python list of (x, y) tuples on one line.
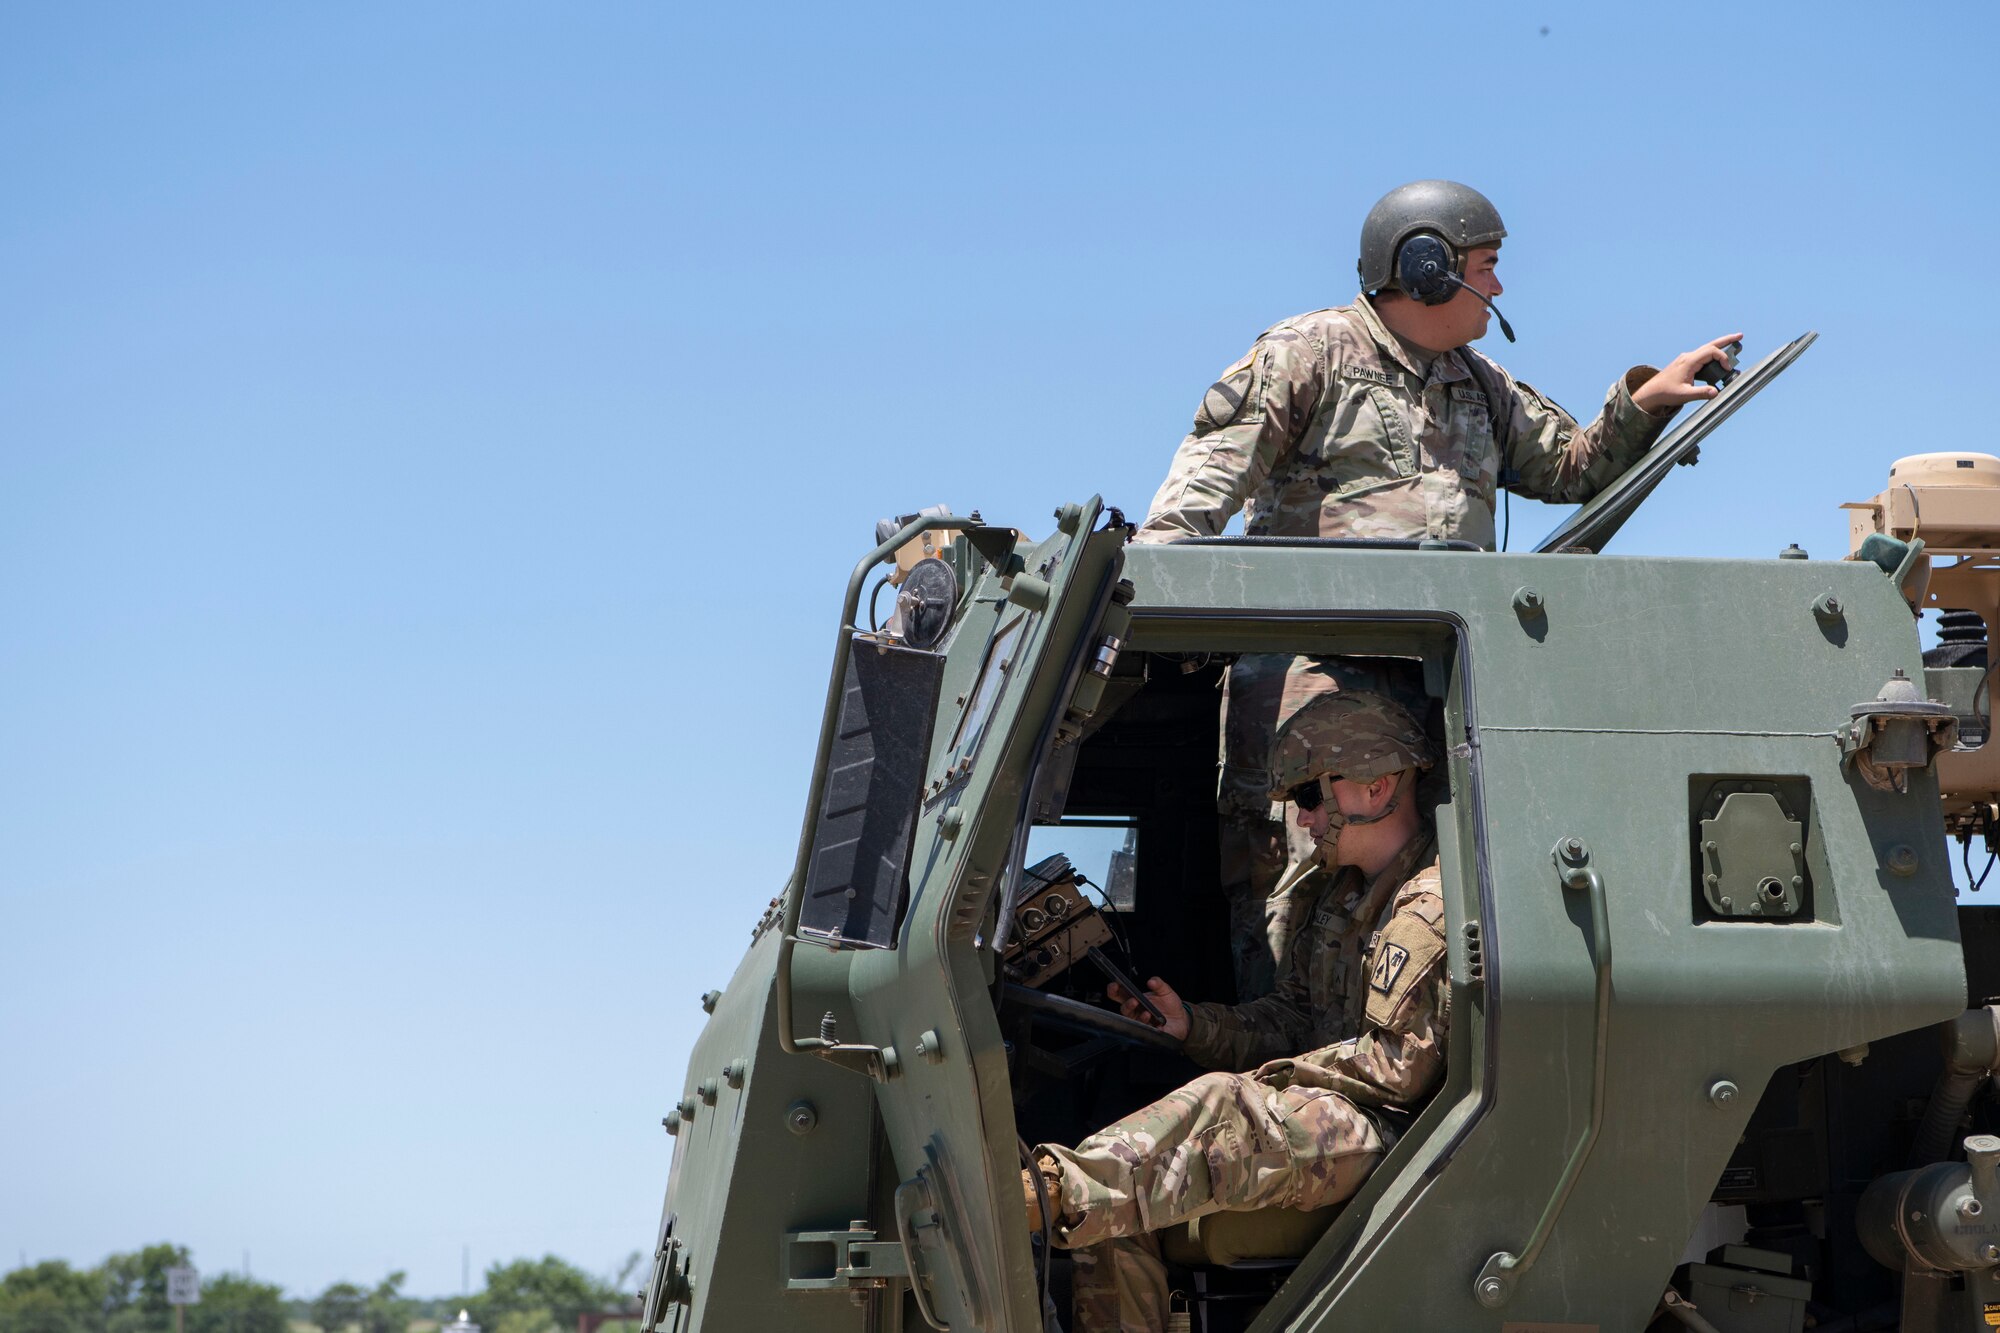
[(1357, 734)]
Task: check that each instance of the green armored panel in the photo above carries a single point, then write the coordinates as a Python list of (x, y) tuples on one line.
[(764, 1144), (1596, 701)]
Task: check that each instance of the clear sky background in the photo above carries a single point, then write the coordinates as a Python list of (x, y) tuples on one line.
[(434, 440)]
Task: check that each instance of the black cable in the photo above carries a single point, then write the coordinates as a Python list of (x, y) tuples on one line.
[(1048, 1222), (874, 593), (1110, 915), (1506, 517), (1965, 859)]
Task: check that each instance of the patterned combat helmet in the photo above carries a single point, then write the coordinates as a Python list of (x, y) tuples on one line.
[(1357, 734)]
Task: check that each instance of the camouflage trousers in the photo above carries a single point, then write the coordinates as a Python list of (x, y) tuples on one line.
[(1259, 847), (1222, 1142)]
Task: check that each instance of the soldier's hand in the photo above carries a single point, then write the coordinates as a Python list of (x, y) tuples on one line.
[(1164, 999), (1676, 383)]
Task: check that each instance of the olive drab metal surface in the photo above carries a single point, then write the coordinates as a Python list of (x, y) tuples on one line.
[(1010, 664), (1709, 1053)]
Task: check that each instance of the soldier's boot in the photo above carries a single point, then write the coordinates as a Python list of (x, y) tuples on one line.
[(1051, 1180)]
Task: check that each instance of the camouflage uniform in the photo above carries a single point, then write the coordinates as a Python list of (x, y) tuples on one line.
[(1332, 426), (1295, 1133), (1264, 879)]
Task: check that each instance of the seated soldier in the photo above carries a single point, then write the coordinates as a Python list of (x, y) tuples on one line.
[(1300, 1130)]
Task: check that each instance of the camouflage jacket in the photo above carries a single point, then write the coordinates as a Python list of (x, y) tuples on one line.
[(1396, 1057), (1321, 999), (1330, 427)]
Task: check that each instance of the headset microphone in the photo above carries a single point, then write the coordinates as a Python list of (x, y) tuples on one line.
[(1504, 326)]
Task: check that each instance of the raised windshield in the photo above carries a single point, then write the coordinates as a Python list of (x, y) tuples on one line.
[(1595, 523)]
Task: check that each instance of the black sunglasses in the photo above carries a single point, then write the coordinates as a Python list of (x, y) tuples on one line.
[(1307, 795)]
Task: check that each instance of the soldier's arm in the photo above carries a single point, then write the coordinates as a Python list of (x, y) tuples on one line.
[(1399, 1056), (1243, 1036), (1247, 420), (1557, 460)]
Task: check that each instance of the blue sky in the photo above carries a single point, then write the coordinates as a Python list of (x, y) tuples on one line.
[(433, 441)]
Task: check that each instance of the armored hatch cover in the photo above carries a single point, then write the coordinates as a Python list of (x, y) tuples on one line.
[(1597, 522)]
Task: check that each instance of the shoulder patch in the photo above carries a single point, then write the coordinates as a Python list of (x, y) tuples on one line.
[(1410, 951), (1223, 402), (1390, 960)]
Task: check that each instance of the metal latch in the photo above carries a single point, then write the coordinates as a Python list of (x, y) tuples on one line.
[(1894, 732), (850, 1260), (672, 1285)]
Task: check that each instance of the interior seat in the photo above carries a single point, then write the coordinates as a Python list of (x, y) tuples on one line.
[(1259, 1236)]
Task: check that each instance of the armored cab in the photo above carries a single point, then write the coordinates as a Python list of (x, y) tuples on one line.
[(1710, 1057)]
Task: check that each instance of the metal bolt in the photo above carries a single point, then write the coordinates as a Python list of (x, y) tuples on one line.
[(1573, 851), (1491, 1291), (733, 1072), (1792, 552), (1722, 1093), (1827, 607), (708, 999), (829, 1028), (1902, 860), (1527, 602), (1969, 1207), (1991, 1253), (672, 1120), (709, 1090), (1727, 904), (801, 1118), (686, 1108), (930, 1046)]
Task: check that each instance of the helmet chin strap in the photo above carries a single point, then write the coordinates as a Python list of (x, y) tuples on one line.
[(1328, 843)]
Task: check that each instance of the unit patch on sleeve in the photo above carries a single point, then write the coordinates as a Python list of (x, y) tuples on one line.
[(1390, 960), (1410, 950)]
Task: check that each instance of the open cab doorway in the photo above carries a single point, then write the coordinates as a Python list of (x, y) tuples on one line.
[(1123, 865)]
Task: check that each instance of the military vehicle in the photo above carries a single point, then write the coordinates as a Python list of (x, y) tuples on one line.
[(1719, 1055)]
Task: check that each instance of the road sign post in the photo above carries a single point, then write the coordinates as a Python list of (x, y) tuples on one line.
[(183, 1290)]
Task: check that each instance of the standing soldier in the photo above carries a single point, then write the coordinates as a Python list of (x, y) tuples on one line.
[(1302, 1130), (1376, 419)]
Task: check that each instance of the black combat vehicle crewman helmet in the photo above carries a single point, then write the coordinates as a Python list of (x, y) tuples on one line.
[(1457, 214)]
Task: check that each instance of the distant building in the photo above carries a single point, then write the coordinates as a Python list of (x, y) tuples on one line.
[(1122, 879)]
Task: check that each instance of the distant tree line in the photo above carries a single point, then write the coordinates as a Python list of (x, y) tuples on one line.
[(127, 1293)]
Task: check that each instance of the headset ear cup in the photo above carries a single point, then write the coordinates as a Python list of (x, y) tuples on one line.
[(1424, 268)]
